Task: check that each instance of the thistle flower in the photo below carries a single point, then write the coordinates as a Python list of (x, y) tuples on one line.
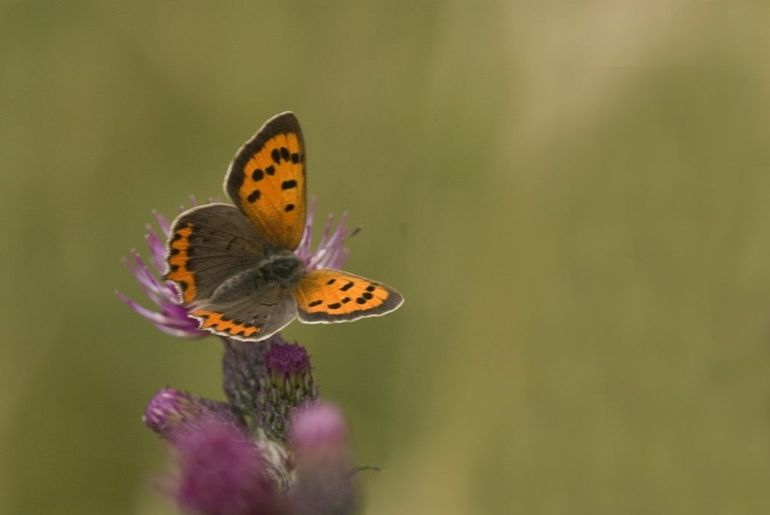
[(289, 455), (263, 381), (330, 251), (222, 472), (287, 383), (242, 368), (172, 316), (324, 484), (170, 411)]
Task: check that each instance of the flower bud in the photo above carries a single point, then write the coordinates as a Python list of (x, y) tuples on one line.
[(324, 477), (286, 384), (171, 409)]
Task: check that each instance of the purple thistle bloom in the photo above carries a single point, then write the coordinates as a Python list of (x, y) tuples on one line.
[(286, 360), (265, 380), (244, 462), (172, 317), (222, 472), (318, 427), (287, 383), (324, 484), (171, 410), (330, 251)]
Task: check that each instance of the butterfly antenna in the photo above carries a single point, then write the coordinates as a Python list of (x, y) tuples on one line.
[(354, 232), (362, 468)]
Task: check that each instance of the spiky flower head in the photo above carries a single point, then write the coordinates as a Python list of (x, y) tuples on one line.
[(287, 456), (330, 251), (171, 410), (287, 383), (171, 317), (242, 368)]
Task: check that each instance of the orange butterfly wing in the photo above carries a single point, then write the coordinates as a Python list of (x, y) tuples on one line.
[(325, 296), (207, 245), (266, 180)]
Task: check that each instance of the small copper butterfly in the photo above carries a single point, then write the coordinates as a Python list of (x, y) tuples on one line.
[(234, 264)]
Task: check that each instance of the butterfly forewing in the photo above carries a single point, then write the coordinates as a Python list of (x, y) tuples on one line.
[(325, 296), (207, 245), (266, 180)]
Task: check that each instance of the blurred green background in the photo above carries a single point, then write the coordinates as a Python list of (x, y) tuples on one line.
[(574, 198)]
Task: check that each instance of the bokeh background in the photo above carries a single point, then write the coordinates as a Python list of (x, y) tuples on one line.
[(574, 198)]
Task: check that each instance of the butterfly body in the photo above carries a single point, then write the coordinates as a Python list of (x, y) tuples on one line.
[(235, 265), (282, 268)]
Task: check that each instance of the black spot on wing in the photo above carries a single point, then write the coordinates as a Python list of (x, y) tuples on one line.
[(281, 124)]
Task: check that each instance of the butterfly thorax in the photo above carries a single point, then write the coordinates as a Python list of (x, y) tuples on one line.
[(279, 267), (283, 267)]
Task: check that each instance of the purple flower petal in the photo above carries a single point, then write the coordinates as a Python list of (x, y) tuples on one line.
[(330, 251)]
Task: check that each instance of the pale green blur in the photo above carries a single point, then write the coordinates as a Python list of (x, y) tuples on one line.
[(573, 197)]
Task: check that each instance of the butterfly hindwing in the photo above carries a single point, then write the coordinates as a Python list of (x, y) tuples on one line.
[(207, 245), (325, 296), (254, 316), (266, 180)]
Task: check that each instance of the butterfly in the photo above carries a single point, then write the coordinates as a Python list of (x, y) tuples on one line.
[(234, 265)]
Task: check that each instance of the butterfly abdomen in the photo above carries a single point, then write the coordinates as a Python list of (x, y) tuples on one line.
[(237, 286)]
